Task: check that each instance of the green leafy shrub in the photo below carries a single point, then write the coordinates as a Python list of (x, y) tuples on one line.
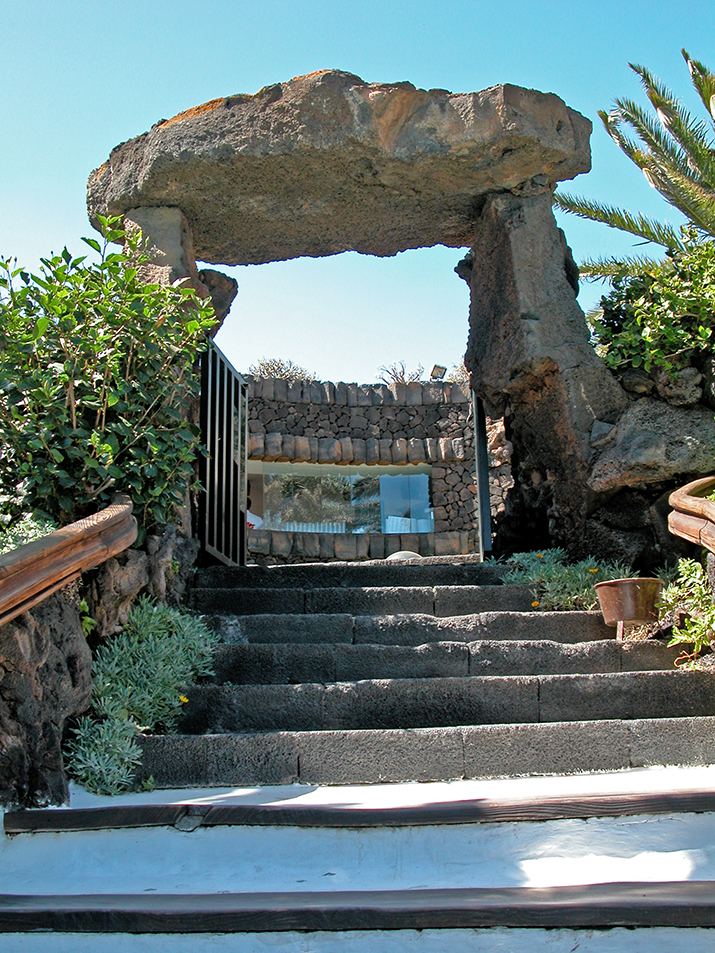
[(137, 681), (25, 529), (96, 369), (558, 585), (689, 601), (658, 321)]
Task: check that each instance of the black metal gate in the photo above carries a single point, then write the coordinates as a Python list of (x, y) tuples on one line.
[(222, 472)]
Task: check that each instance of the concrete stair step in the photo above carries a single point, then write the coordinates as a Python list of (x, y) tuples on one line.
[(430, 600), (413, 629), (291, 663), (340, 575), (369, 756), (442, 702)]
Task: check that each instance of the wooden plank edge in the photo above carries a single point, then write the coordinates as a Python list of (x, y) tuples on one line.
[(94, 818), (27, 555), (268, 815), (599, 906)]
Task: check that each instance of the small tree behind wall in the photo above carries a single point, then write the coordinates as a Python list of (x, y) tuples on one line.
[(96, 369)]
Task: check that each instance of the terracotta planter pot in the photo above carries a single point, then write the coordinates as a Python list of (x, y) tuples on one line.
[(629, 601)]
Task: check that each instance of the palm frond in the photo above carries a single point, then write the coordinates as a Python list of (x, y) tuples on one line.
[(703, 81), (649, 130), (594, 268), (694, 199), (652, 231)]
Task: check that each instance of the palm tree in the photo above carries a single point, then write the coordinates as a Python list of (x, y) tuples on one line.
[(676, 154)]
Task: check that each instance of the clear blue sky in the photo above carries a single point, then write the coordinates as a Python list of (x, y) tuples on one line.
[(80, 76)]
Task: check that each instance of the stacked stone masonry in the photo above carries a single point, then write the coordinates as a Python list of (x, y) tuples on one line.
[(376, 424)]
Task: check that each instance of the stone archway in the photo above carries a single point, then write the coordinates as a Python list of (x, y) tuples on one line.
[(326, 163)]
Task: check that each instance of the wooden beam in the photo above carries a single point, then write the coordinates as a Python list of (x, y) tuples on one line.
[(32, 572), (592, 906)]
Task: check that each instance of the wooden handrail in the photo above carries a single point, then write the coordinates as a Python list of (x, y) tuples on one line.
[(34, 571), (693, 517)]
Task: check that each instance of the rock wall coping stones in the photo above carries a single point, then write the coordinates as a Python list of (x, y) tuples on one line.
[(415, 394)]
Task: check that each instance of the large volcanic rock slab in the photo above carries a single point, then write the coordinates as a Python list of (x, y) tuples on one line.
[(327, 163)]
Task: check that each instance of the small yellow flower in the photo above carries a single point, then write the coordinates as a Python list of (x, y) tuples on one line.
[(534, 604), (540, 555), (593, 570), (183, 699)]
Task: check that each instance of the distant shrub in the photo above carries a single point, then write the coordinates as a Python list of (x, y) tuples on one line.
[(281, 370), (397, 373), (24, 530)]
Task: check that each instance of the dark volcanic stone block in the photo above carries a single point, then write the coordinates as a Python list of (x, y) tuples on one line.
[(415, 629), (628, 695), (543, 657), (370, 600), (672, 741), (561, 748), (437, 659), (425, 703), (298, 628), (274, 664), (462, 600), (366, 757), (248, 601), (213, 709), (176, 761)]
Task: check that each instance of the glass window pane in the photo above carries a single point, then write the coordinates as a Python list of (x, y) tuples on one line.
[(366, 504)]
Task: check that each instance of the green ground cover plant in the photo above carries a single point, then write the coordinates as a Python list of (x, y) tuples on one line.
[(558, 585), (138, 677), (97, 368)]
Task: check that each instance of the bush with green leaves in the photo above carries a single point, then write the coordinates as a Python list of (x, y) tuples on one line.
[(659, 321), (26, 529), (138, 676), (690, 598), (558, 585), (96, 370)]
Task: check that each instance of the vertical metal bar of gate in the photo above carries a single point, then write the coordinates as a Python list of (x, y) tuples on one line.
[(482, 473), (222, 471)]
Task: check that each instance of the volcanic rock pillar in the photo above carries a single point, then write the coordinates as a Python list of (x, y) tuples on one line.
[(530, 358), (169, 241)]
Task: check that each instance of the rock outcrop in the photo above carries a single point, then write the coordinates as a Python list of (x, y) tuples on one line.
[(655, 442), (45, 678), (327, 163)]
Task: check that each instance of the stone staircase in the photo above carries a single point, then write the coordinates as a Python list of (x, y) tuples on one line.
[(353, 674), (360, 675)]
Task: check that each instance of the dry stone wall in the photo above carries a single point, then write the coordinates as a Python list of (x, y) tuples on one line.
[(375, 424)]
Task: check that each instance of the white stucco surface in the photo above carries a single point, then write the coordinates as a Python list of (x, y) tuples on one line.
[(661, 940), (165, 860)]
